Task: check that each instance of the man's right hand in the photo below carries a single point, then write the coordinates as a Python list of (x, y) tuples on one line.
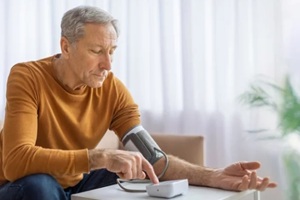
[(126, 164)]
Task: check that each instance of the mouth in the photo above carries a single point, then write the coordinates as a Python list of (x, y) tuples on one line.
[(102, 75)]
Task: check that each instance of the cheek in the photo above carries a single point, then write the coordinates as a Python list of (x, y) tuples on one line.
[(85, 64), (90, 69)]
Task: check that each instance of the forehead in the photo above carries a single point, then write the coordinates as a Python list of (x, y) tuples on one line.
[(99, 33)]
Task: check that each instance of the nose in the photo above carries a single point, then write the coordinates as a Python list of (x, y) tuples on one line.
[(105, 62)]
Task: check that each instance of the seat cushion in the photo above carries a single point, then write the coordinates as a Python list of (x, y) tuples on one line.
[(187, 147)]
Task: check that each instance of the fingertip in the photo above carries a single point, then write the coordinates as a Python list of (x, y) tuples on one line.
[(266, 179), (244, 184), (148, 168), (245, 177), (152, 176), (258, 164), (272, 185), (154, 179), (143, 175), (250, 165)]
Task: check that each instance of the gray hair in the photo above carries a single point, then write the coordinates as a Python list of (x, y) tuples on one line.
[(73, 21)]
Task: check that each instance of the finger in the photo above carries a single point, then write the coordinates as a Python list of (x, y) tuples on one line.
[(123, 176), (143, 175), (120, 175), (126, 171), (244, 184), (263, 185), (139, 169), (134, 167), (272, 185), (250, 165), (253, 181), (147, 167)]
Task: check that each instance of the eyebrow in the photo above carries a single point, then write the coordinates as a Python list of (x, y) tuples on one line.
[(96, 45)]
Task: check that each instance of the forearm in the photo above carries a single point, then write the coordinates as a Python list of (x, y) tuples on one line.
[(96, 158), (180, 169), (30, 160)]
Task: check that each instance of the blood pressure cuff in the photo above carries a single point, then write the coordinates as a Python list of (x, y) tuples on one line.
[(138, 139)]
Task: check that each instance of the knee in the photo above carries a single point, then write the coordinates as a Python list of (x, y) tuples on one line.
[(40, 186), (39, 182)]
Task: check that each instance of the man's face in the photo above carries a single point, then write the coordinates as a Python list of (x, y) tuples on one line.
[(91, 56)]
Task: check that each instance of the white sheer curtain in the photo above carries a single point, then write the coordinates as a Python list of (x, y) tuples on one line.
[(185, 61)]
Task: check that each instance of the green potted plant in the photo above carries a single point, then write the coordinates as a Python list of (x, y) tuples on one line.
[(284, 101)]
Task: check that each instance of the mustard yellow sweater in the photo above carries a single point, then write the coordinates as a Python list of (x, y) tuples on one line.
[(48, 129)]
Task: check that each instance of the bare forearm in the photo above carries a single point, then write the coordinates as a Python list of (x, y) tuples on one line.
[(96, 158), (180, 169)]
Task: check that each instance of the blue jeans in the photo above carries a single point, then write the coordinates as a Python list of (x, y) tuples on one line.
[(44, 186)]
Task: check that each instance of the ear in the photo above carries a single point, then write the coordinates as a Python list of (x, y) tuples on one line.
[(65, 47)]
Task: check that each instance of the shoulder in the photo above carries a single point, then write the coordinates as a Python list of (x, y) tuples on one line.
[(32, 72), (29, 75), (30, 67), (34, 64)]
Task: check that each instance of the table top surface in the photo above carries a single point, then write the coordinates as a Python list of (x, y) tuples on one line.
[(194, 192)]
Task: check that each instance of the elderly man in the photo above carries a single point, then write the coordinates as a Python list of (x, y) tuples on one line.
[(58, 109)]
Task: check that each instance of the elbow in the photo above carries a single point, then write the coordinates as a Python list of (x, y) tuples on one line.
[(10, 171), (13, 166)]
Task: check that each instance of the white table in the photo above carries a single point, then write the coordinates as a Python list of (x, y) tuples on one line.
[(114, 192)]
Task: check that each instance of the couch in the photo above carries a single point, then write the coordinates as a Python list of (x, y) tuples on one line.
[(187, 147)]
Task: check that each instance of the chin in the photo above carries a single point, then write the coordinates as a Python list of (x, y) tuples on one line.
[(97, 85)]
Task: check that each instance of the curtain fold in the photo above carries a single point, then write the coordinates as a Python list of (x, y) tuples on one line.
[(184, 61)]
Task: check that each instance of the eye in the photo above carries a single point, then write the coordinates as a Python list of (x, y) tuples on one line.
[(97, 51), (111, 52)]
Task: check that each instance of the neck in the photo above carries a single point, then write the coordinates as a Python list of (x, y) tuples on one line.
[(63, 75)]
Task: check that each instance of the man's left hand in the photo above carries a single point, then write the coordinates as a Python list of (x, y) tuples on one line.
[(240, 176)]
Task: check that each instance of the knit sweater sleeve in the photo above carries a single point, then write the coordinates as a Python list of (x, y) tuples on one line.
[(126, 114), (21, 156)]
